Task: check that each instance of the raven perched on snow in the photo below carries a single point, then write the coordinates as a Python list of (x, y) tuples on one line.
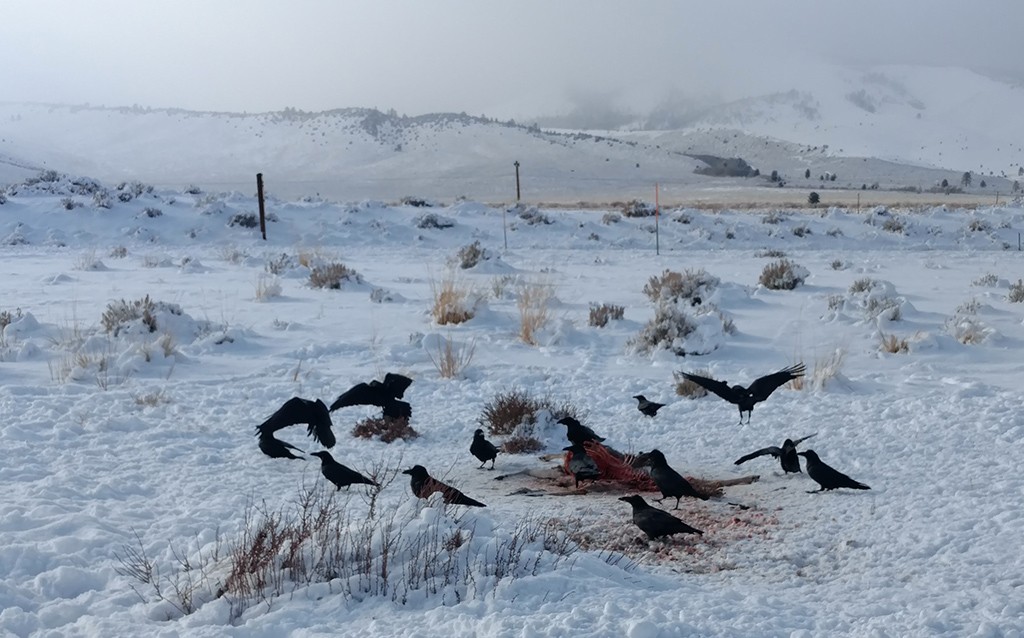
[(655, 522), (483, 449), (670, 482), (383, 394), (826, 476), (298, 410), (758, 391), (650, 408), (786, 454), (423, 485), (339, 474)]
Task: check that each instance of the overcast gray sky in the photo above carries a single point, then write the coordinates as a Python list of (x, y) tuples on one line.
[(504, 59)]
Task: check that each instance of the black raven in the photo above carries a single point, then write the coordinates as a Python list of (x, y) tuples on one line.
[(655, 522), (670, 482), (483, 449), (276, 448), (339, 474), (826, 476), (577, 433), (383, 394), (786, 454), (581, 465), (650, 408), (758, 391), (298, 410), (423, 485)]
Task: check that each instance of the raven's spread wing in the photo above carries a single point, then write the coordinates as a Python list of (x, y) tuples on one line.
[(762, 388), (774, 451), (299, 410), (721, 388), (397, 384), (797, 442), (359, 394)]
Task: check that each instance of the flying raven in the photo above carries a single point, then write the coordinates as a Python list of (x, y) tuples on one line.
[(483, 449), (826, 476), (786, 454), (655, 522), (650, 408), (758, 391), (298, 410), (383, 394), (423, 485), (339, 474)]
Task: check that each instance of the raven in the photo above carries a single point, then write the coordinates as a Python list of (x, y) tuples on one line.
[(826, 476), (786, 454), (298, 410), (383, 394), (339, 474), (670, 482), (758, 391), (423, 485), (650, 408), (577, 433), (655, 522), (276, 448), (483, 449), (581, 465)]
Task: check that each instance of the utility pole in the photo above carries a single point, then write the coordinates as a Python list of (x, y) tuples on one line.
[(517, 180), (263, 213)]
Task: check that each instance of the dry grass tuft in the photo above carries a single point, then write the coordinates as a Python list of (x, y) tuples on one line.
[(689, 389), (534, 299), (454, 300), (601, 314), (894, 345), (450, 360), (1016, 293), (522, 444), (782, 275)]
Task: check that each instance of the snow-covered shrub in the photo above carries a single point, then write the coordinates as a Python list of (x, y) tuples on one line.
[(118, 252), (417, 202), (470, 255), (668, 330), (863, 284), (600, 314), (332, 275), (433, 220), (101, 199), (1016, 293), (672, 286), (638, 208), (517, 411), (977, 225), (152, 211), (783, 275), (838, 264), (894, 225), (988, 280), (610, 218), (281, 264), (770, 253), (773, 217), (122, 315), (532, 216), (69, 203), (244, 220), (802, 230)]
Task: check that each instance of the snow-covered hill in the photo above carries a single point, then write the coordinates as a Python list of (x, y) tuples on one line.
[(898, 127)]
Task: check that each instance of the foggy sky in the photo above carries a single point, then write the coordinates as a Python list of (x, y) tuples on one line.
[(517, 58)]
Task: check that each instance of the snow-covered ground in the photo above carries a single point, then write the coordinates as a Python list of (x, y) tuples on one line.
[(144, 440)]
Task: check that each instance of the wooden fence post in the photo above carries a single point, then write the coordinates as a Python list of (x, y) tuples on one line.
[(263, 210)]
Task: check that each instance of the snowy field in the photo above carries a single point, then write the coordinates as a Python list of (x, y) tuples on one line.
[(128, 439)]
